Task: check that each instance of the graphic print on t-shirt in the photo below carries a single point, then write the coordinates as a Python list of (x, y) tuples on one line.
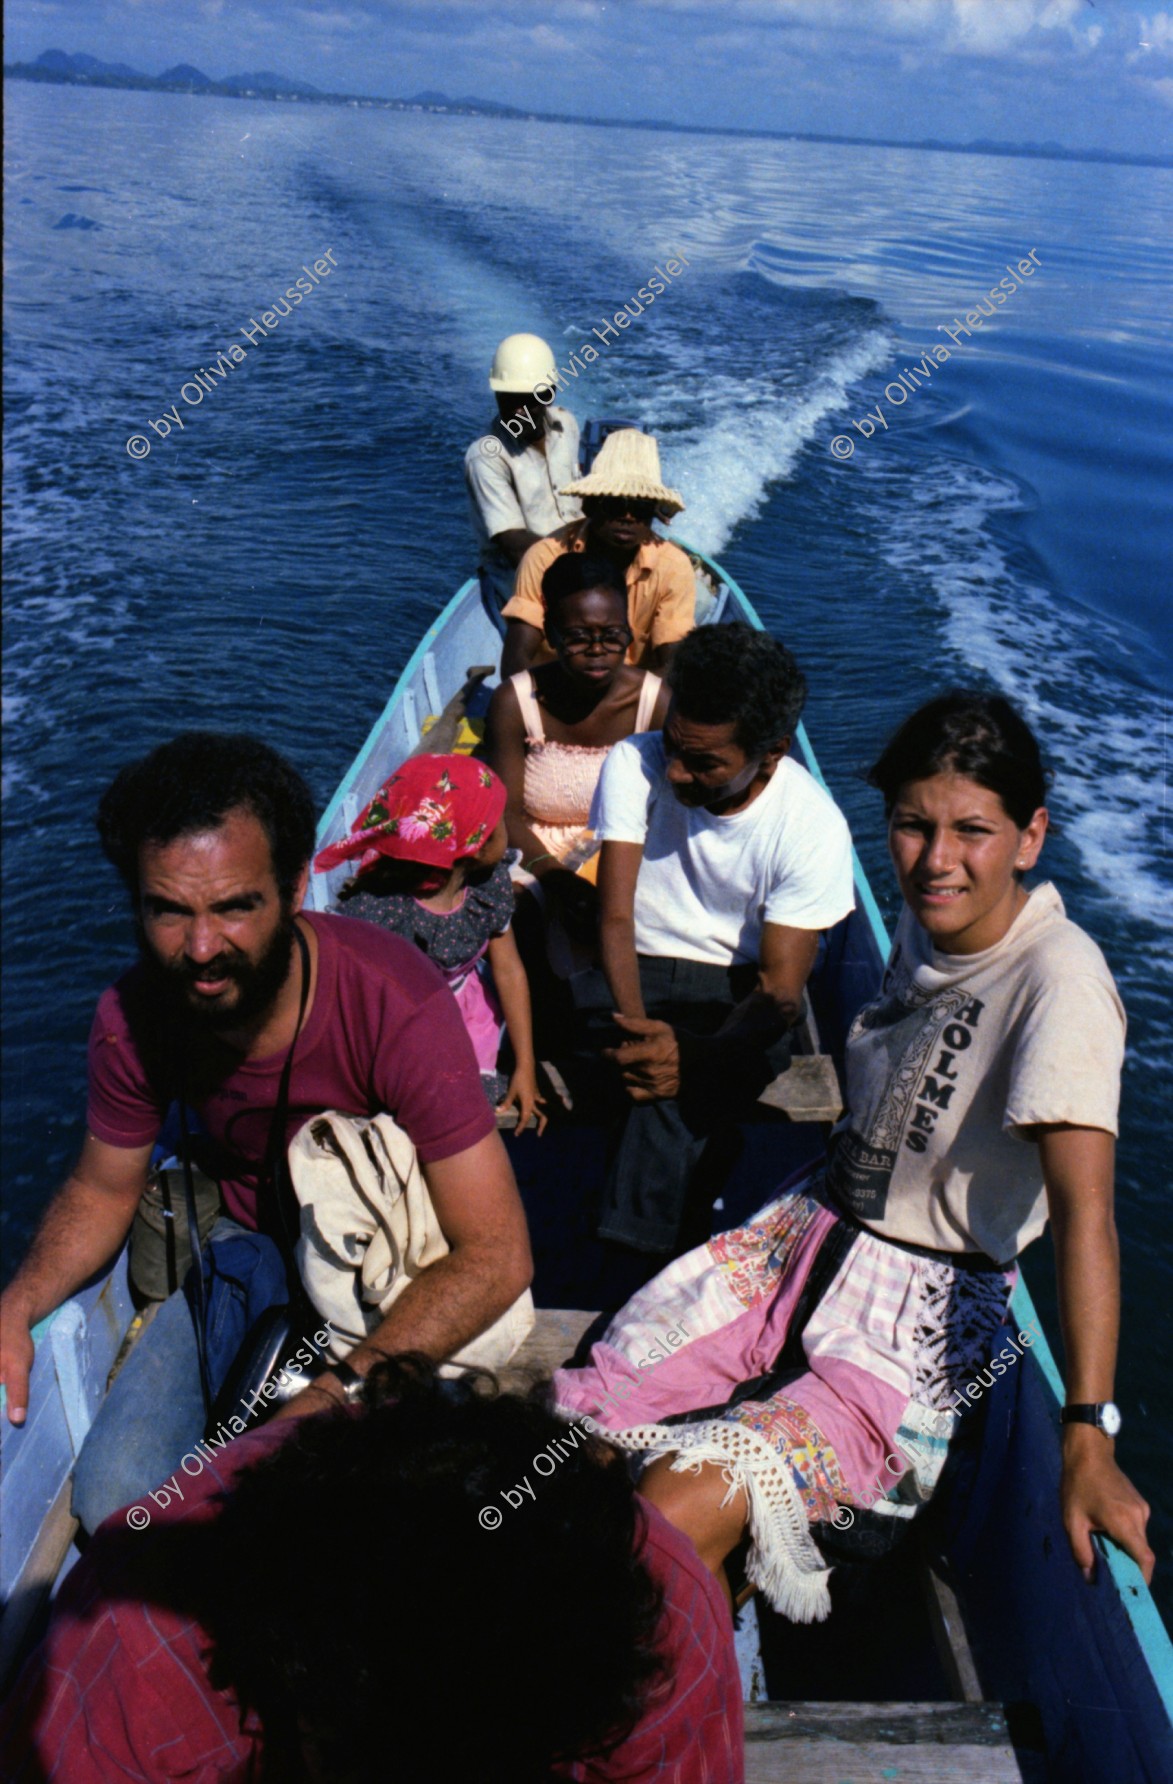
[(925, 1038)]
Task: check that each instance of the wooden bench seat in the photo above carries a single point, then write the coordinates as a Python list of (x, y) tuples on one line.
[(863, 1743), (552, 1342), (807, 1091)]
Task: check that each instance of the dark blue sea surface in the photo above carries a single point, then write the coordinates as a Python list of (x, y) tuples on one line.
[(270, 563)]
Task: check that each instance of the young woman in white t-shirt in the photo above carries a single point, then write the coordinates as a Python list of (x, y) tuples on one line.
[(861, 1310)]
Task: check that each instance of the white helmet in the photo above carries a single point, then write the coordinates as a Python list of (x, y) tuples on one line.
[(521, 362)]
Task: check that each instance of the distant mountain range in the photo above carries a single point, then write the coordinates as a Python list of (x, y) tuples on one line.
[(79, 70), (57, 65)]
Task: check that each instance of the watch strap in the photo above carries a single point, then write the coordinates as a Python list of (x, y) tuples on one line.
[(1091, 1412)]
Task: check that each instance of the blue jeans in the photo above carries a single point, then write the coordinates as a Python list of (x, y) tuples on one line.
[(154, 1413), (668, 1158)]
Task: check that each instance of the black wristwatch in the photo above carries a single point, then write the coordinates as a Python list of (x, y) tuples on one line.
[(352, 1382), (1103, 1414)]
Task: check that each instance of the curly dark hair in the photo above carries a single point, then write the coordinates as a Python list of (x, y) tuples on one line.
[(576, 570), (191, 784), (734, 674), (971, 733), (352, 1575)]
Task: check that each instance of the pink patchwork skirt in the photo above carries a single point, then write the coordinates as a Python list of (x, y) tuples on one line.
[(863, 1420)]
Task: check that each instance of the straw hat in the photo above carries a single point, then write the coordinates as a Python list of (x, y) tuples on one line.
[(628, 465)]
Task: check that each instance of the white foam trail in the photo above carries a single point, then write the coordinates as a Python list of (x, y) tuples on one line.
[(1106, 736), (749, 439)]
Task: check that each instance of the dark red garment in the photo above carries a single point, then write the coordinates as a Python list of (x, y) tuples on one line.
[(118, 1690), (384, 1035), (693, 1731)]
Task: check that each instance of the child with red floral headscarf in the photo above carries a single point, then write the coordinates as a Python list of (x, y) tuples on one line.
[(430, 848)]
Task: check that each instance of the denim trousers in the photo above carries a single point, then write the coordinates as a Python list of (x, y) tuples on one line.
[(667, 1157), (154, 1413)]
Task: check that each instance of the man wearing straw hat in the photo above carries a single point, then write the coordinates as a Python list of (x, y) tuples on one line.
[(620, 498)]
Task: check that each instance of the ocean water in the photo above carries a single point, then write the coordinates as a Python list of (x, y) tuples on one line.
[(270, 563)]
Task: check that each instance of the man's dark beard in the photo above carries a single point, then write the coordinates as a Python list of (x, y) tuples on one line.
[(258, 984)]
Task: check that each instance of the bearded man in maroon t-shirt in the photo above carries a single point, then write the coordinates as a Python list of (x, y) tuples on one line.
[(212, 835)]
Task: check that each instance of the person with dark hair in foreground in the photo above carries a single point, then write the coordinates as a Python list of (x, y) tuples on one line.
[(722, 862), (847, 1334), (373, 1594), (256, 1014)]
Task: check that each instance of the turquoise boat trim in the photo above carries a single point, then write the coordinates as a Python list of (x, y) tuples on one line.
[(414, 662)]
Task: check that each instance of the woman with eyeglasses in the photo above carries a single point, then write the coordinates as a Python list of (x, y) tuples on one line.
[(550, 728), (621, 496)]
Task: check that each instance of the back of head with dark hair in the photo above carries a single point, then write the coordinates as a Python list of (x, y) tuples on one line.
[(359, 1598), (576, 570), (732, 674), (191, 784), (967, 732)]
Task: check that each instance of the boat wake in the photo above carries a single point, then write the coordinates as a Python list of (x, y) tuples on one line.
[(1071, 670)]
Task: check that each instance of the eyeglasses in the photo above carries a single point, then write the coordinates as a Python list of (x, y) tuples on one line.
[(611, 638), (615, 507)]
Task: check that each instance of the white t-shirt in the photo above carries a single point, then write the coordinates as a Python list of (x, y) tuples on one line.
[(957, 1054), (707, 884)]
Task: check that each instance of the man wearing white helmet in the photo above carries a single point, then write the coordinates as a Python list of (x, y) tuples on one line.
[(516, 470)]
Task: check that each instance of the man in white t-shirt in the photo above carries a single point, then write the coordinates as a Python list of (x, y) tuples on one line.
[(723, 861)]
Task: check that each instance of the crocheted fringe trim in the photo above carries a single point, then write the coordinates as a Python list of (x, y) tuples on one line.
[(783, 1560)]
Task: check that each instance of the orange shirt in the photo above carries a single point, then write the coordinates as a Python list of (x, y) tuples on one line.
[(661, 591)]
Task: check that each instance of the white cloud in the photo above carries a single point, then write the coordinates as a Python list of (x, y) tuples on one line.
[(1156, 37), (335, 19), (1162, 89), (987, 29)]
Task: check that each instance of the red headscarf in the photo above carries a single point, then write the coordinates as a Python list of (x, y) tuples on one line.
[(436, 810)]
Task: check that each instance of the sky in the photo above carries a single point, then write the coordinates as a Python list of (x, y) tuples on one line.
[(1082, 73)]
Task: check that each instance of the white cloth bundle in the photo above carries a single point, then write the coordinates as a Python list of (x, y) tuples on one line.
[(368, 1228)]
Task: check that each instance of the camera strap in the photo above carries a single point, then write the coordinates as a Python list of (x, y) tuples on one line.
[(283, 1222)]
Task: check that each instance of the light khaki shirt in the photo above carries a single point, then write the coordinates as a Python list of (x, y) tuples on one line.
[(512, 485)]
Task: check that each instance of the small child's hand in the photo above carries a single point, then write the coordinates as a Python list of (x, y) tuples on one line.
[(523, 1090)]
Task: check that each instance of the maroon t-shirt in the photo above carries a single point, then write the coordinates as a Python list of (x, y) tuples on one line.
[(119, 1689), (384, 1035)]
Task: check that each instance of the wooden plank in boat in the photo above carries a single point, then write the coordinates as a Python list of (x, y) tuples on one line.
[(861, 1743), (449, 732), (949, 1635), (554, 1338), (554, 1088)]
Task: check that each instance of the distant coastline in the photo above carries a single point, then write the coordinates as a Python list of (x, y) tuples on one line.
[(56, 67)]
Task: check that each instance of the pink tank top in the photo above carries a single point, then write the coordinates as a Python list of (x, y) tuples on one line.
[(560, 778)]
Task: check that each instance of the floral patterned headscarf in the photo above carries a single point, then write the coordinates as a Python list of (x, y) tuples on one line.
[(436, 810)]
